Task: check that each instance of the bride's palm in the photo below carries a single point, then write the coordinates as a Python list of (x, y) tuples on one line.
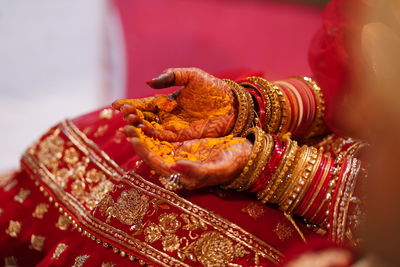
[(201, 162), (204, 107)]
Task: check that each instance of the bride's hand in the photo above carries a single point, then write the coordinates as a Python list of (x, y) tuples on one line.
[(201, 162), (204, 107)]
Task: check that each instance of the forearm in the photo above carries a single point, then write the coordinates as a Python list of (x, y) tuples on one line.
[(294, 105), (301, 180)]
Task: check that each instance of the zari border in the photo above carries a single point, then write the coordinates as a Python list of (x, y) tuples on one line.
[(98, 230)]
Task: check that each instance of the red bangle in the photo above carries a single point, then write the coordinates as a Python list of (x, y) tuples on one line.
[(313, 187), (260, 103), (271, 167)]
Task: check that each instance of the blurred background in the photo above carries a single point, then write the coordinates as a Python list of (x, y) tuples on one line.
[(62, 58)]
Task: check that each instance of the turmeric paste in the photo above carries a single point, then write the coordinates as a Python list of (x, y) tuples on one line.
[(195, 150)]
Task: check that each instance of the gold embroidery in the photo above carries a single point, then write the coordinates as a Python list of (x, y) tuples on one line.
[(95, 176), (71, 156), (62, 223), (62, 176), (37, 242), (192, 223), (259, 249), (106, 114), (212, 249), (170, 242), (255, 210), (152, 233), (10, 184), (283, 231), (10, 261), (169, 222), (14, 228), (5, 177), (50, 150), (101, 130), (58, 251), (108, 264), (118, 137), (129, 209), (40, 210), (22, 195), (80, 260), (87, 130)]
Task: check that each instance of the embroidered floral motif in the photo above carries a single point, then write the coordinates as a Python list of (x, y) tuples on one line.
[(14, 228), (152, 233), (169, 222), (37, 242), (10, 184), (106, 114), (62, 176), (80, 260), (58, 251), (40, 210), (50, 150), (212, 249), (192, 223), (101, 131), (95, 176), (283, 231), (22, 195), (170, 242), (10, 261), (71, 156), (62, 223), (129, 209), (255, 210)]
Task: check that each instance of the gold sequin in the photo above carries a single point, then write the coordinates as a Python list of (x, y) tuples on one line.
[(283, 231), (80, 260), (101, 131), (58, 251), (106, 114), (254, 210), (14, 228), (37, 242), (62, 223), (22, 195), (10, 261), (40, 210)]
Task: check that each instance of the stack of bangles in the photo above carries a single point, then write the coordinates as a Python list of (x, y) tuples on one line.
[(294, 105), (300, 180)]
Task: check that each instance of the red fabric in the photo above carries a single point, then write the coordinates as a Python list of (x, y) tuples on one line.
[(215, 35)]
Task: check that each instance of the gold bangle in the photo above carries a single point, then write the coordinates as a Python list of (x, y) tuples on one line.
[(251, 115), (307, 177), (243, 107), (261, 161), (276, 108), (243, 178), (289, 196)]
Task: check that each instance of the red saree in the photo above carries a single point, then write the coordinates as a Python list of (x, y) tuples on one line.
[(95, 200)]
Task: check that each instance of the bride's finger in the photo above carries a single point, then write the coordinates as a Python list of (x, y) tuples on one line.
[(176, 77)]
